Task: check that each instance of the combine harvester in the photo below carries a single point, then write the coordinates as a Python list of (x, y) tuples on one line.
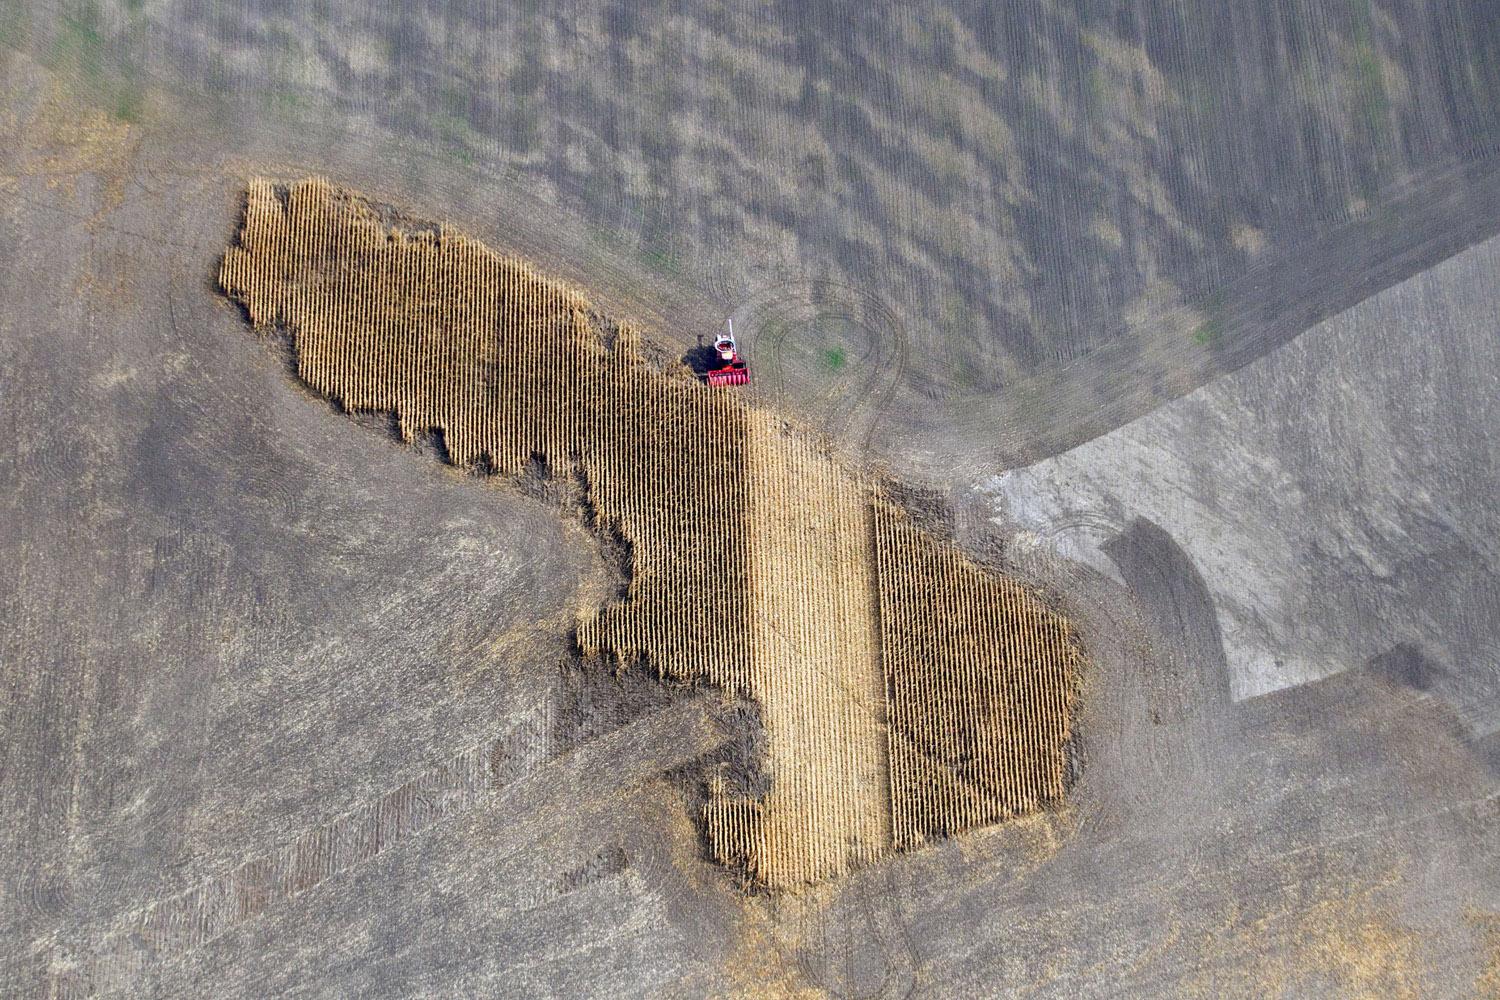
[(729, 368)]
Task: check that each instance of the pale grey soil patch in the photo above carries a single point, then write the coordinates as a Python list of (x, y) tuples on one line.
[(1338, 496)]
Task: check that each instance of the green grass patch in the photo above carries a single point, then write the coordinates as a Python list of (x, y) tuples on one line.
[(15, 27), (1374, 102), (129, 105), (1209, 333), (968, 375), (78, 43), (664, 260), (831, 359), (285, 100), (99, 76)]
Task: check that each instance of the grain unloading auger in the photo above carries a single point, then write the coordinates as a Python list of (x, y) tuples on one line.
[(730, 368)]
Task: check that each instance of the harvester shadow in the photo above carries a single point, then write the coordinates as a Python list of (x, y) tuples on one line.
[(702, 359)]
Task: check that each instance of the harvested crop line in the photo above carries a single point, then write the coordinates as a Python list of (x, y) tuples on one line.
[(907, 692)]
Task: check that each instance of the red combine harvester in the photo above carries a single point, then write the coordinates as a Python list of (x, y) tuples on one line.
[(728, 367)]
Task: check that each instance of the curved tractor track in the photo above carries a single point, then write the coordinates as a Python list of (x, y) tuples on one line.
[(841, 347)]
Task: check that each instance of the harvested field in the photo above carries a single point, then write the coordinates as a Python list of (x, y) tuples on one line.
[(907, 691), (957, 238), (814, 665)]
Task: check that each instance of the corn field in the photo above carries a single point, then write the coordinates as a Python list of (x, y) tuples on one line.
[(907, 692)]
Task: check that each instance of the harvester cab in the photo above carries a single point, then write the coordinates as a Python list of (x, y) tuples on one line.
[(728, 368)]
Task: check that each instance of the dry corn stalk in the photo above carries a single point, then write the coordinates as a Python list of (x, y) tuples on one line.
[(907, 692)]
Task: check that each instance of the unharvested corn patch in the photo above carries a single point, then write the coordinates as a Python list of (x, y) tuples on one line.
[(906, 691), (981, 682)]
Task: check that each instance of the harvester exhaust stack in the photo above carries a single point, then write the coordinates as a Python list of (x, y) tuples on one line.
[(729, 368)]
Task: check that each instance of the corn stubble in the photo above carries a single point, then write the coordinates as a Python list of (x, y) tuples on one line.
[(906, 691)]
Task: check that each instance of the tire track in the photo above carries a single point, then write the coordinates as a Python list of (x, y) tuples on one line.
[(177, 925), (851, 407)]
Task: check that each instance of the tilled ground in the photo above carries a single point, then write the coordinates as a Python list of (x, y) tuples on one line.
[(237, 623)]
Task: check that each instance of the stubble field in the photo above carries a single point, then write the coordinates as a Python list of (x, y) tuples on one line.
[(291, 708)]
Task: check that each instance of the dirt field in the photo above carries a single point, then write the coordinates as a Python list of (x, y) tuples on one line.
[(289, 704)]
